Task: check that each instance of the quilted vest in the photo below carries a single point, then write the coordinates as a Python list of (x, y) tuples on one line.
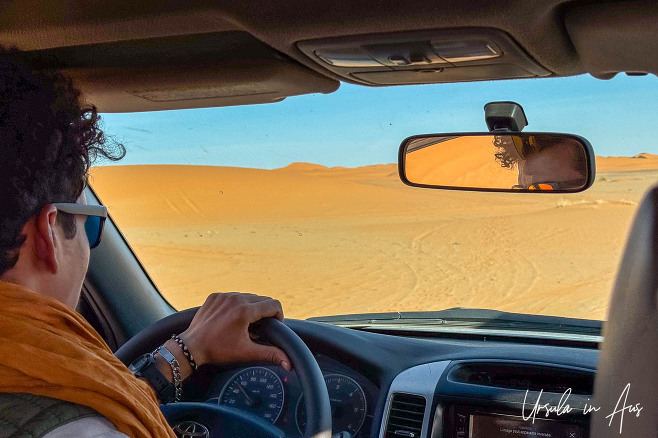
[(32, 416)]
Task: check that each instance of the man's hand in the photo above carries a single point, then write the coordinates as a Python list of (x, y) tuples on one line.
[(219, 332)]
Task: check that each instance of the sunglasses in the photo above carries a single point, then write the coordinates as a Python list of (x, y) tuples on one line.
[(96, 215), (527, 147)]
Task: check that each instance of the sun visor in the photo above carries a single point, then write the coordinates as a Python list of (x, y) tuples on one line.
[(449, 55), (197, 85), (209, 70), (615, 37)]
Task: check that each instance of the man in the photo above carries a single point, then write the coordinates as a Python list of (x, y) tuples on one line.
[(48, 352), (551, 163)]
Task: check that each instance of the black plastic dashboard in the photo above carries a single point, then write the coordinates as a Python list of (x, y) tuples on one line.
[(426, 387)]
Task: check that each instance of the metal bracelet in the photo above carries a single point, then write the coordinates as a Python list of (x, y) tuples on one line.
[(175, 370), (186, 352)]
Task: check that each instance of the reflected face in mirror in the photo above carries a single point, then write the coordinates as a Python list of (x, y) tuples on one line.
[(504, 162), (547, 163)]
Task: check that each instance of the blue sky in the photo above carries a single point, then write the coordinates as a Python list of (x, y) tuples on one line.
[(358, 126)]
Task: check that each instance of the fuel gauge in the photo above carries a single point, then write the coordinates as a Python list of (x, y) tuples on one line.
[(348, 405)]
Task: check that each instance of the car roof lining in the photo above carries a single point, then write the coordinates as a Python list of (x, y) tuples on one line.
[(75, 26), (634, 46), (182, 71), (33, 24)]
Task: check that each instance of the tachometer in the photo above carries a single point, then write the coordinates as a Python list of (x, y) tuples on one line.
[(348, 405), (256, 390)]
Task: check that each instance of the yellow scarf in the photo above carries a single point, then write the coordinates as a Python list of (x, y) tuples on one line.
[(48, 349)]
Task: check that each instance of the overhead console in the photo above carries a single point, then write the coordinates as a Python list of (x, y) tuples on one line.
[(453, 55)]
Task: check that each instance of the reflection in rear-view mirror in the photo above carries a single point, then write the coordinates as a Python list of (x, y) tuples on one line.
[(503, 162)]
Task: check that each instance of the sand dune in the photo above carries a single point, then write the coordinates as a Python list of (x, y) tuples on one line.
[(341, 240), (464, 161), (638, 162)]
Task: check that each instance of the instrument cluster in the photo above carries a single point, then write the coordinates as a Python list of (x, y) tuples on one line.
[(275, 395)]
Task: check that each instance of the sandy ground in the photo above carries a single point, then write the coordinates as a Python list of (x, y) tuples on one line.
[(337, 240)]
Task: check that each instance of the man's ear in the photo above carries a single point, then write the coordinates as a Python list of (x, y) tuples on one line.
[(45, 238)]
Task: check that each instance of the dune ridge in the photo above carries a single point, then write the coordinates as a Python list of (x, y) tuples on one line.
[(354, 240)]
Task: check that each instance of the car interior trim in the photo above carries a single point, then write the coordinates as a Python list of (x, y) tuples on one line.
[(419, 380), (130, 292), (537, 336), (632, 50)]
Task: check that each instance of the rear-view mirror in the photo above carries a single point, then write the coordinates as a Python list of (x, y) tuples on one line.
[(504, 162)]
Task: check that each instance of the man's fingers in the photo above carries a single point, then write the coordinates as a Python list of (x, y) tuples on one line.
[(228, 315), (273, 355), (219, 304), (265, 309), (232, 298), (251, 298)]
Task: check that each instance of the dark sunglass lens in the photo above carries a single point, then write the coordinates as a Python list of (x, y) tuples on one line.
[(93, 230)]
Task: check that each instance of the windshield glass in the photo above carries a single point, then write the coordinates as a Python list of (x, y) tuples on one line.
[(301, 200)]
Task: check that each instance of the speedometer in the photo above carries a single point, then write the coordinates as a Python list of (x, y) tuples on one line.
[(348, 405), (256, 390)]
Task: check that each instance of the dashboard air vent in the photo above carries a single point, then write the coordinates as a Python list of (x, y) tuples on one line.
[(405, 416)]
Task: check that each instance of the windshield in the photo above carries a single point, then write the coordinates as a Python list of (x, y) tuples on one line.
[(301, 200)]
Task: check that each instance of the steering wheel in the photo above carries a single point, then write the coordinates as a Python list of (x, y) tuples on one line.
[(223, 421)]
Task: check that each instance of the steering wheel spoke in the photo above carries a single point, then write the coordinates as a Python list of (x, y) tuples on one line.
[(194, 419)]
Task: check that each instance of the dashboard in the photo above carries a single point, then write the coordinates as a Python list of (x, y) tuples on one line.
[(405, 386)]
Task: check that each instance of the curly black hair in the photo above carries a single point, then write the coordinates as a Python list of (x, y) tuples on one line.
[(507, 155), (48, 140)]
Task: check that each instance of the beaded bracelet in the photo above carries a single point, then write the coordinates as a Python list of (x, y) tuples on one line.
[(186, 352)]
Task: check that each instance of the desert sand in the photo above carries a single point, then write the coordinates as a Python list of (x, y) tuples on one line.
[(352, 240), (448, 164)]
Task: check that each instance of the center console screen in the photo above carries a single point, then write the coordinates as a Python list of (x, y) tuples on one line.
[(508, 426)]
